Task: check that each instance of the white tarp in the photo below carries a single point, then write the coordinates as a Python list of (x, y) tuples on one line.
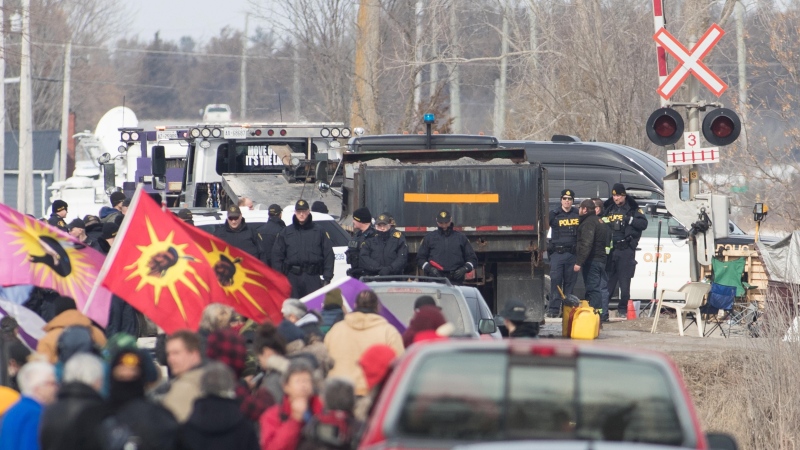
[(782, 259)]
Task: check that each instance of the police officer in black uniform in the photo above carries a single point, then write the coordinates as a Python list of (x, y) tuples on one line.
[(303, 251), (386, 253), (57, 217), (269, 231), (561, 248), (237, 233), (362, 225), (446, 252), (627, 221)]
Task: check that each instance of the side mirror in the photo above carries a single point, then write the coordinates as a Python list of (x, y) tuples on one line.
[(487, 326), (201, 112), (159, 161), (721, 441), (678, 231), (109, 176)]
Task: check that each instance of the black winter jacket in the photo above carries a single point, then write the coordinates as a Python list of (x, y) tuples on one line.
[(57, 222), (355, 248), (60, 428), (629, 217), (244, 238), (449, 248), (385, 254), (593, 238), (217, 424), (303, 245), (268, 233)]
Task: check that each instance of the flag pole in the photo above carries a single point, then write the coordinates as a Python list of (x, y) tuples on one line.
[(112, 253)]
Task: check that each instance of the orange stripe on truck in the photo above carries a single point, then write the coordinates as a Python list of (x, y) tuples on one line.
[(451, 198)]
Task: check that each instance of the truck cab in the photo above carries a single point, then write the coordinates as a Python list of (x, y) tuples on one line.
[(216, 113)]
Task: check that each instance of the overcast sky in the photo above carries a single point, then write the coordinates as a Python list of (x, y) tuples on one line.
[(200, 19)]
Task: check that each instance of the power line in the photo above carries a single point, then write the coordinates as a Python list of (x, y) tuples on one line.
[(166, 52)]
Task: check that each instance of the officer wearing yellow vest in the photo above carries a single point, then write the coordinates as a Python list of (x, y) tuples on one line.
[(561, 248), (626, 221)]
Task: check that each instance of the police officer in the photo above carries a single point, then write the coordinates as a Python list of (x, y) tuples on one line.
[(237, 233), (362, 224), (386, 253), (446, 252), (270, 230), (561, 248), (56, 219), (303, 252), (627, 221)]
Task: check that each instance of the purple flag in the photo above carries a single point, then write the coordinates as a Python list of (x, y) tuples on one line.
[(30, 324), (350, 288)]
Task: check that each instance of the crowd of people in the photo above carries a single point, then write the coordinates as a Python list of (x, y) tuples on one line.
[(307, 382)]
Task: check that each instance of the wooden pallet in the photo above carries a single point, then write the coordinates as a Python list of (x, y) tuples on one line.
[(755, 275)]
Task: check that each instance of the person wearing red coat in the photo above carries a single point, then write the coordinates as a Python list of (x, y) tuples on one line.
[(282, 424)]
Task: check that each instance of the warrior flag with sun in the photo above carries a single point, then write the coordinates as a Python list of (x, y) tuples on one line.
[(44, 256), (170, 271)]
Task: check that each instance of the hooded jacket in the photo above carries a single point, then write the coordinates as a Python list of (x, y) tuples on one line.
[(281, 432), (593, 238), (350, 338), (302, 245), (244, 237), (48, 345), (217, 424), (108, 214)]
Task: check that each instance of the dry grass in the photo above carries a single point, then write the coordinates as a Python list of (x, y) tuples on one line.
[(752, 393)]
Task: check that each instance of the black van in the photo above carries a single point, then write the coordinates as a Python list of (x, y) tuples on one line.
[(592, 168)]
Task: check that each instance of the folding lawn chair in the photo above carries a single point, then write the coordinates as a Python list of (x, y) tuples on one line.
[(726, 289)]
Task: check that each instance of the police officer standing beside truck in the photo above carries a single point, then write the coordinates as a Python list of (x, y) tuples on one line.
[(303, 252), (362, 224), (387, 252), (446, 252), (561, 248), (626, 221)]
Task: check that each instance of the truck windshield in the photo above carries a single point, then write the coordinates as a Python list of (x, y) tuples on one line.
[(255, 157), (491, 395)]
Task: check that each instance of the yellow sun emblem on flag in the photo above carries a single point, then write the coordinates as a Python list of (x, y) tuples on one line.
[(163, 264), (56, 260), (231, 275)]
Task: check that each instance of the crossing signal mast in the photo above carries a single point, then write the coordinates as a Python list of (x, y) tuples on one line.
[(706, 213)]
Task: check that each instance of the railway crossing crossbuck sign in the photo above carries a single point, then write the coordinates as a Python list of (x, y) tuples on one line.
[(690, 61)]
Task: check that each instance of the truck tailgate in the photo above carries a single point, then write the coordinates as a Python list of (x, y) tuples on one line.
[(493, 197)]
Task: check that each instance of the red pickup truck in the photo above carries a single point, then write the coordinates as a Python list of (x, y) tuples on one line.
[(547, 393)]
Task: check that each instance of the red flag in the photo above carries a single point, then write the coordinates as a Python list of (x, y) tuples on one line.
[(170, 271)]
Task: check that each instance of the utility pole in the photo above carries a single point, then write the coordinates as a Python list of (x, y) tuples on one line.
[(25, 177), (2, 104), (62, 167), (296, 82), (741, 59), (243, 72), (500, 114), (418, 49), (455, 75), (697, 22), (363, 112)]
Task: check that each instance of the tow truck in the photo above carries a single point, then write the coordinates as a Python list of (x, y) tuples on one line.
[(268, 163)]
